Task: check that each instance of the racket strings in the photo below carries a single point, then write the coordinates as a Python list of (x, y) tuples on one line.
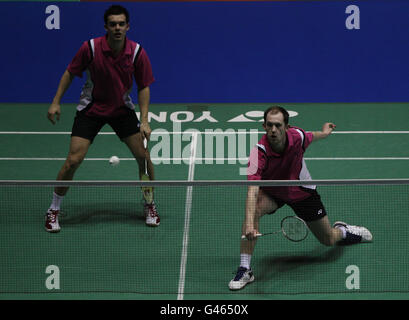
[(294, 228)]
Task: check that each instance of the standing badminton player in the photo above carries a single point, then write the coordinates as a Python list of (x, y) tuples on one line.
[(111, 62), (279, 156)]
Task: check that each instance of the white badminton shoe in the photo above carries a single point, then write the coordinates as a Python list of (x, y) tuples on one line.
[(242, 278), (354, 234)]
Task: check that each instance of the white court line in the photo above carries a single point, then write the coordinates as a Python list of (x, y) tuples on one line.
[(210, 131), (34, 132), (188, 160), (188, 210)]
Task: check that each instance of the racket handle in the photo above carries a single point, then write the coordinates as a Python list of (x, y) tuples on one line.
[(145, 144), (257, 236)]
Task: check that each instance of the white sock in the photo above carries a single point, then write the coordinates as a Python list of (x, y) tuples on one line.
[(245, 260), (344, 231), (56, 203)]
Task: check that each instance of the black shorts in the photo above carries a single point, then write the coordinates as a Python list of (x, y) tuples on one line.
[(88, 126), (309, 209)]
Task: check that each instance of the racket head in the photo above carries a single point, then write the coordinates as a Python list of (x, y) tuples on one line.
[(294, 228)]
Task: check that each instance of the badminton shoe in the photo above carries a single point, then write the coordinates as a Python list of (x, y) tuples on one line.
[(51, 221), (242, 278), (354, 234), (151, 215)]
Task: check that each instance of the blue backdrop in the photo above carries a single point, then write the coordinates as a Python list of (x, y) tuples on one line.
[(222, 52)]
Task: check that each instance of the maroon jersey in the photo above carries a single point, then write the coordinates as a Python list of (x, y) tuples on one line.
[(109, 79), (265, 164)]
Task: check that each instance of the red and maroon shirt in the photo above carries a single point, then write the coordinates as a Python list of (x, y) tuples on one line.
[(265, 164), (109, 79)]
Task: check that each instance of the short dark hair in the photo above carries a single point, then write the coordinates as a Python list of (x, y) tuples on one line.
[(277, 109), (116, 10)]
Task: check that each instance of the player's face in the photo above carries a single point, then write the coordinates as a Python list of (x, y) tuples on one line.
[(275, 128), (116, 27)]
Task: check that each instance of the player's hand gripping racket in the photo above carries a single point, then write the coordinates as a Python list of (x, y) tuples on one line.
[(146, 191), (292, 227)]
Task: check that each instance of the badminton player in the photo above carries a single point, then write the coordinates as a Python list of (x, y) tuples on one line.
[(279, 156), (111, 62)]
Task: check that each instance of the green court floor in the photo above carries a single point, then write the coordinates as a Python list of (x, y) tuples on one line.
[(105, 251)]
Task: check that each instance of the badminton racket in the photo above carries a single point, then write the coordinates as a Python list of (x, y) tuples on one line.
[(146, 191), (292, 227)]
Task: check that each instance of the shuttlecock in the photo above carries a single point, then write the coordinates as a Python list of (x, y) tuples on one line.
[(114, 161)]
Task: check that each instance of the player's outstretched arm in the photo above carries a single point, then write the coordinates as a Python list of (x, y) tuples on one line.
[(327, 129), (55, 109)]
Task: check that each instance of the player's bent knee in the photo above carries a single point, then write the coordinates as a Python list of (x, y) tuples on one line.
[(73, 163), (141, 155)]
